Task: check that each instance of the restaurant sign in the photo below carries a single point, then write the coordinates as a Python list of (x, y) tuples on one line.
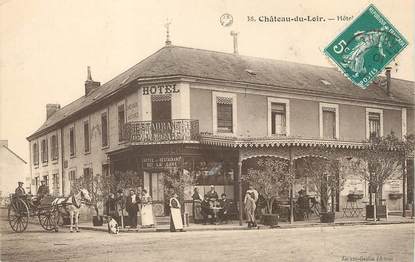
[(161, 162)]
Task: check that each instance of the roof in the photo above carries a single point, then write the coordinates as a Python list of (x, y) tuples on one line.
[(13, 153), (197, 63)]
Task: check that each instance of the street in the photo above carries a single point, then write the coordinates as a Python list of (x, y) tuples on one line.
[(345, 243)]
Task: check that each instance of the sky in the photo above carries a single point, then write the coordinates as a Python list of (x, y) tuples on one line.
[(46, 45)]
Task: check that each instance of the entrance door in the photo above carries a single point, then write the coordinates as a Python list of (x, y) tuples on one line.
[(154, 183)]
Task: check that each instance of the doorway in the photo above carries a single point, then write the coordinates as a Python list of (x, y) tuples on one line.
[(154, 183)]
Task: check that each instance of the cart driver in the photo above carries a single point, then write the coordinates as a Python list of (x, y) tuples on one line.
[(20, 190), (42, 191)]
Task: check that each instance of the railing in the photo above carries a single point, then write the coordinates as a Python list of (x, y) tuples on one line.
[(162, 131)]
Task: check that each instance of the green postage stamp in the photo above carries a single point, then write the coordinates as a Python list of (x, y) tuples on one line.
[(366, 47)]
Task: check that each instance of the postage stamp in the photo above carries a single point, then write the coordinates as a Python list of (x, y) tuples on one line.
[(366, 47)]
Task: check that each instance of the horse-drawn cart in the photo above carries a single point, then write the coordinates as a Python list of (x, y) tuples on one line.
[(22, 208)]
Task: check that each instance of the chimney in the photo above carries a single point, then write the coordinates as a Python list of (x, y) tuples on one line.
[(235, 42), (51, 109), (388, 80), (90, 84)]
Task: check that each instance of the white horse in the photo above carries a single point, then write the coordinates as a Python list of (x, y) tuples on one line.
[(72, 205)]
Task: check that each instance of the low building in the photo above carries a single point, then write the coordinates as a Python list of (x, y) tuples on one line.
[(13, 169), (212, 113)]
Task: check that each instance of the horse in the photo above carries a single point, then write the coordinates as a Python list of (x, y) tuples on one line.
[(72, 205)]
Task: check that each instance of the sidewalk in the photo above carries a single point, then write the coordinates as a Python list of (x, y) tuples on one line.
[(234, 225)]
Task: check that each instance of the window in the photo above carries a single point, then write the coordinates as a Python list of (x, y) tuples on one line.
[(54, 147), (72, 175), (374, 123), (105, 170), (278, 117), (46, 179), (72, 141), (224, 113), (55, 184), (160, 107), (329, 121), (224, 117), (86, 137), (35, 154), (44, 151), (37, 182), (121, 122), (104, 129), (88, 173)]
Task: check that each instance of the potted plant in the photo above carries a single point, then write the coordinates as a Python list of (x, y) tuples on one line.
[(270, 177), (325, 178)]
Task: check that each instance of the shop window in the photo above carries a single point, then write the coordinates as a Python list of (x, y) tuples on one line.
[(72, 141), (54, 147), (104, 129), (87, 142), (161, 107), (44, 151), (35, 154), (121, 123)]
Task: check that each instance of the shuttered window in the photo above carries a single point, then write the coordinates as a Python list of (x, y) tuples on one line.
[(329, 123), (72, 141), (224, 114), (374, 124), (121, 123), (104, 129), (278, 119), (35, 154), (54, 147), (86, 137), (44, 151)]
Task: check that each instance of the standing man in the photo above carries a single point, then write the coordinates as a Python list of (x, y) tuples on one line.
[(42, 191), (121, 203), (132, 208), (20, 190)]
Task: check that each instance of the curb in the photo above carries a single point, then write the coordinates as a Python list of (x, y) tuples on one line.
[(288, 226)]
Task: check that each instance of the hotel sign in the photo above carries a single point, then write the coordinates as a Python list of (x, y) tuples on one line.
[(161, 89), (161, 162)]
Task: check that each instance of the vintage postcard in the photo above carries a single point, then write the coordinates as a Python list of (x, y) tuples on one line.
[(215, 130)]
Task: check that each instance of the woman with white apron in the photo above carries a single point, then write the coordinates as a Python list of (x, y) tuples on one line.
[(147, 216), (176, 222)]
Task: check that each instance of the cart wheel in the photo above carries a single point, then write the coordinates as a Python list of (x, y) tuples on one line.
[(49, 218), (18, 215)]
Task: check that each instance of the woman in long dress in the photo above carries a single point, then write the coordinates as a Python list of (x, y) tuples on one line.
[(197, 205), (147, 216), (176, 222), (250, 207)]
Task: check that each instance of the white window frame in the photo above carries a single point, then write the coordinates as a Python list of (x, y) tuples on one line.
[(374, 110), (215, 95), (287, 114), (336, 108), (106, 111)]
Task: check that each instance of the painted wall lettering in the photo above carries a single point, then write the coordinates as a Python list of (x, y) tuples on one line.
[(160, 89)]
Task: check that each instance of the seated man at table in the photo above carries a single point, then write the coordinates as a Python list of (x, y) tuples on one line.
[(206, 211), (224, 204)]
